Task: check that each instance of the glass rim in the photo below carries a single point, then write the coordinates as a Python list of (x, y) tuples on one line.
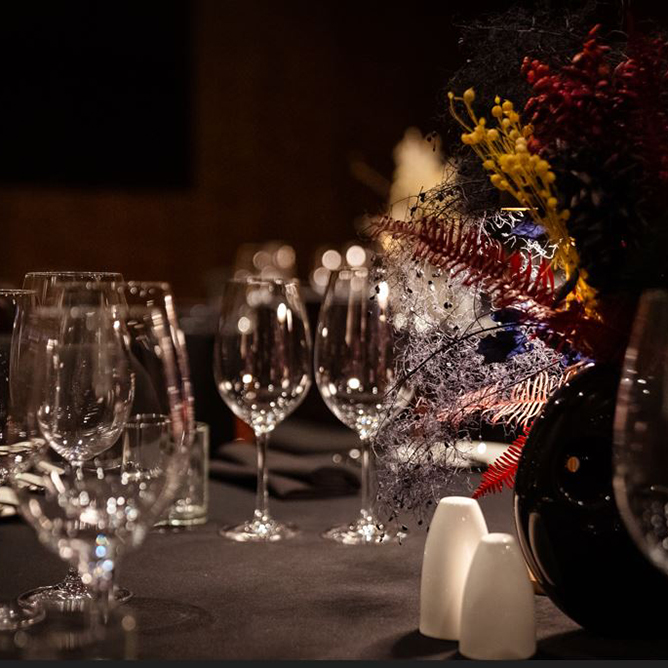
[(147, 420), (258, 280), (163, 285), (118, 285), (78, 310), (73, 273), (17, 292)]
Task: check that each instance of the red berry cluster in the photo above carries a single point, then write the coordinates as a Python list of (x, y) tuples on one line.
[(574, 102), (620, 113)]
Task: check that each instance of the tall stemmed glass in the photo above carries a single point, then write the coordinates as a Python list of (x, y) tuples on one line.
[(52, 288), (83, 507), (354, 371), (16, 426), (640, 429), (262, 366)]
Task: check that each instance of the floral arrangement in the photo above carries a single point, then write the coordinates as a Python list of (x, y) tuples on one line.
[(525, 264)]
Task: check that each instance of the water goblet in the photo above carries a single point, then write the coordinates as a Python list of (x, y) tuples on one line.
[(262, 366), (48, 287), (84, 508), (354, 371)]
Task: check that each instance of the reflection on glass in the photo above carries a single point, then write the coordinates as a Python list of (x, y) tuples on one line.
[(17, 426), (641, 429)]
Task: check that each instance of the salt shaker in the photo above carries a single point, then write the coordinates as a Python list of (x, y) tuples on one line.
[(455, 531), (498, 616)]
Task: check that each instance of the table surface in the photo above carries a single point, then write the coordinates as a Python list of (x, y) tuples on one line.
[(198, 596)]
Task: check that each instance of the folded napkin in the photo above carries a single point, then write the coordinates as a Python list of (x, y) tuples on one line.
[(290, 476), (307, 437)]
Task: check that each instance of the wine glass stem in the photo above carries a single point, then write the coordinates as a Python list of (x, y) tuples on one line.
[(262, 500), (368, 479), (102, 588)]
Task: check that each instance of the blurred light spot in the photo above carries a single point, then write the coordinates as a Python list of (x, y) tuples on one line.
[(281, 312), (355, 256), (331, 259), (285, 257), (270, 272), (572, 464), (383, 294), (321, 277), (244, 324), (128, 623), (261, 259)]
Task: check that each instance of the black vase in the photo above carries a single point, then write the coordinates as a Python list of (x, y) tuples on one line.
[(568, 524)]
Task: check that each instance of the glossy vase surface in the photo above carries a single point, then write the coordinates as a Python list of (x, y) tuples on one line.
[(569, 527)]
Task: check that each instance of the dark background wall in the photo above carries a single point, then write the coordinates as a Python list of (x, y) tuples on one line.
[(154, 137)]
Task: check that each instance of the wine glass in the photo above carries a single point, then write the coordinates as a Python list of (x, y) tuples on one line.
[(89, 510), (262, 366), (16, 424), (641, 424), (354, 371), (70, 288)]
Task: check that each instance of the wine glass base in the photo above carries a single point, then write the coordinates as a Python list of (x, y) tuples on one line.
[(364, 531), (263, 530), (67, 596), (14, 617)]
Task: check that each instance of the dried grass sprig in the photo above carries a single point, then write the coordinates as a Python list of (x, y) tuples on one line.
[(476, 260)]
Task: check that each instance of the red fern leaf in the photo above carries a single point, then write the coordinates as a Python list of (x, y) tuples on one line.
[(504, 468)]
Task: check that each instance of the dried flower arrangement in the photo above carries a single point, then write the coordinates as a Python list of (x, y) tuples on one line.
[(500, 305)]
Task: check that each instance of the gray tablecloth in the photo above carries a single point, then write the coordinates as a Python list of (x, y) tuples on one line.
[(198, 596)]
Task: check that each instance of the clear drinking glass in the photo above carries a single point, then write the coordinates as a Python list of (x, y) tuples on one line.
[(262, 367), (84, 507), (190, 507), (641, 428), (48, 286), (16, 425), (354, 371)]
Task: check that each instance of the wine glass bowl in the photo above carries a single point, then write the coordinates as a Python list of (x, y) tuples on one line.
[(87, 379), (262, 364)]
